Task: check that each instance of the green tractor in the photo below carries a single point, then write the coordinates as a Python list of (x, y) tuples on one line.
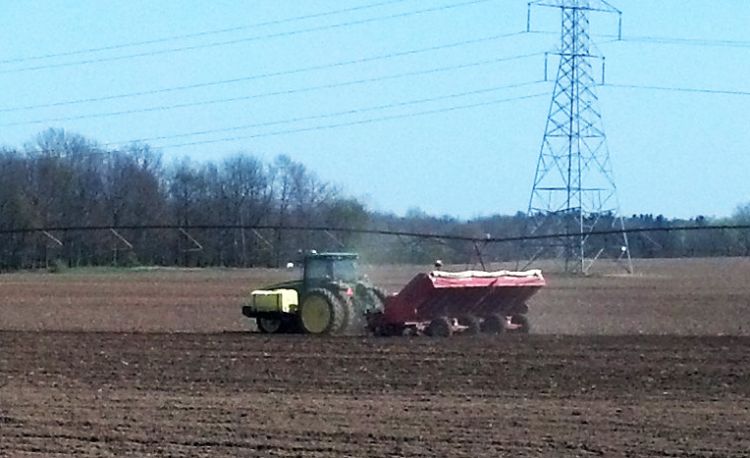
[(331, 298)]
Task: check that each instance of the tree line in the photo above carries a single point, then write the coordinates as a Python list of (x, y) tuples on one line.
[(62, 179)]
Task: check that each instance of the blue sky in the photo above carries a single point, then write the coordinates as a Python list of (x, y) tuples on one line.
[(676, 153)]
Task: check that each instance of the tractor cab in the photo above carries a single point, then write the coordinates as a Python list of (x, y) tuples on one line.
[(325, 268)]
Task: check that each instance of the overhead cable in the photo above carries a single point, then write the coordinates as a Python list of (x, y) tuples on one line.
[(265, 75), (247, 39), (203, 33), (123, 143), (276, 93), (333, 114), (358, 122), (678, 89), (701, 42)]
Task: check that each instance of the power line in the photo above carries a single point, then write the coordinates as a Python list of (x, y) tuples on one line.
[(334, 114), (277, 93), (678, 89), (700, 42), (359, 122), (374, 120), (266, 75), (248, 39), (639, 230), (202, 34), (120, 144)]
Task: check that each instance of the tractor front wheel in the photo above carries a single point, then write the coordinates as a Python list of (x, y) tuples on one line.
[(270, 325)]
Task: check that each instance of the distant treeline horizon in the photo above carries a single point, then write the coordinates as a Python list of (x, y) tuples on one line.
[(62, 179)]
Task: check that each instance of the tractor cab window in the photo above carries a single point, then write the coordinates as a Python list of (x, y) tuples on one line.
[(345, 270), (318, 269), (331, 269)]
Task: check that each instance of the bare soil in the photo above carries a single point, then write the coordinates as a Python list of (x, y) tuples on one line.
[(161, 363), (235, 394), (671, 297)]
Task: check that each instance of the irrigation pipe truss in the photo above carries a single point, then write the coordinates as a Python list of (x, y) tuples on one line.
[(487, 239)]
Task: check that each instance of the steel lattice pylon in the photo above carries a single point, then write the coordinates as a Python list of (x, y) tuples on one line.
[(574, 191)]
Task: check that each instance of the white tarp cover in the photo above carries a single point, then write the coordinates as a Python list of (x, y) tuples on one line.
[(536, 273)]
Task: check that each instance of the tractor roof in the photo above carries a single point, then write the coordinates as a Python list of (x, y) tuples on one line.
[(332, 256)]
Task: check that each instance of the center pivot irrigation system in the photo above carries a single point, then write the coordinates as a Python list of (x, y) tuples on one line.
[(479, 242), (333, 298)]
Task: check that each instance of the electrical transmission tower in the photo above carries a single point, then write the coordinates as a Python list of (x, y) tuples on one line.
[(574, 191)]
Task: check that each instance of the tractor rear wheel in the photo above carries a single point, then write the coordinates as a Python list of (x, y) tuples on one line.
[(380, 293), (370, 299), (270, 325), (494, 324), (322, 313), (440, 327)]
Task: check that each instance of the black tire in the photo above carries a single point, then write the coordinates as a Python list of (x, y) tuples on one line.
[(440, 327), (365, 302), (523, 322), (372, 302), (268, 325), (354, 322), (370, 299), (314, 306), (389, 330), (493, 324), (473, 325), (380, 293)]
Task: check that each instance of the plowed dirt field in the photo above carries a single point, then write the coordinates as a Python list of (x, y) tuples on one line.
[(159, 363), (85, 394)]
